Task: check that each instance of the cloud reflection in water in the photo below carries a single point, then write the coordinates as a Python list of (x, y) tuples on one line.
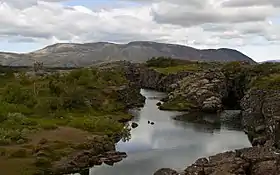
[(168, 143)]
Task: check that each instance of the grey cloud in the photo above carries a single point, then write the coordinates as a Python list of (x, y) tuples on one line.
[(22, 40), (249, 3), (183, 17), (25, 32), (21, 4), (193, 3), (215, 27)]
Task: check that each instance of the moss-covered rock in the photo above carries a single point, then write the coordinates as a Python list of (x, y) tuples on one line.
[(177, 104), (201, 91)]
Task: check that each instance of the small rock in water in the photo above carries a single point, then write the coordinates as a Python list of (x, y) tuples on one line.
[(152, 123), (134, 125), (159, 103), (149, 122)]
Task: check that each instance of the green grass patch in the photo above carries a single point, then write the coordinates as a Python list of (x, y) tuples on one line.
[(270, 82), (179, 68), (84, 98), (168, 65), (177, 104)]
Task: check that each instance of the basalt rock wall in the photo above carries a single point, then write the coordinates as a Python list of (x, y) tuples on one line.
[(149, 78), (261, 116)]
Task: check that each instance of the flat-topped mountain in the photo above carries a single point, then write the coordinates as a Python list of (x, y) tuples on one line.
[(272, 61), (72, 54)]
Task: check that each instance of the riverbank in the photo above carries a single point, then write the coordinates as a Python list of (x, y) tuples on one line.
[(252, 89), (53, 123)]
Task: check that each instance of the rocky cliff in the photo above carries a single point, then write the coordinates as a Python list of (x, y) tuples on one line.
[(261, 116)]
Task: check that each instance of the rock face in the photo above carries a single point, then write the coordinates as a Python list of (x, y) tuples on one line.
[(130, 95), (228, 116), (205, 90), (151, 79), (247, 161), (261, 116)]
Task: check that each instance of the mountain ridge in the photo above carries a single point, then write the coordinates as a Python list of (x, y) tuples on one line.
[(84, 54)]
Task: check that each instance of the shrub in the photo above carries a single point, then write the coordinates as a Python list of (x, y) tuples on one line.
[(161, 62), (17, 94)]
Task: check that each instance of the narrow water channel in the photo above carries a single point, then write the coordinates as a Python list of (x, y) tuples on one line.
[(168, 143)]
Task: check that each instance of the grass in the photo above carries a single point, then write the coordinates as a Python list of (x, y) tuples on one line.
[(173, 66), (179, 68), (177, 104), (270, 82), (55, 113)]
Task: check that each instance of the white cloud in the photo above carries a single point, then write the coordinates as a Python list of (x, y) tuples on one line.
[(199, 23)]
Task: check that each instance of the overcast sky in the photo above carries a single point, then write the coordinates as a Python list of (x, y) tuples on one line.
[(251, 26)]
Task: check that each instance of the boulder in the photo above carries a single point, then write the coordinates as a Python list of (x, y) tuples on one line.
[(159, 103), (134, 125), (166, 171)]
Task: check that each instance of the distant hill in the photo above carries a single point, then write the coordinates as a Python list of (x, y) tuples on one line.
[(273, 61), (69, 54)]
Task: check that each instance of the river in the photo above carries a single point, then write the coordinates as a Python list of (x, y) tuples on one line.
[(168, 143)]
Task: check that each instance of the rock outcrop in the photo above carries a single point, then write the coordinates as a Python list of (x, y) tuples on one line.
[(149, 78), (166, 171), (95, 152), (130, 95), (247, 161), (203, 90), (261, 116)]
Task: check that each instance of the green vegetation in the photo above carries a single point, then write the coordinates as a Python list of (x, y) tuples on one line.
[(33, 107), (163, 62), (172, 66), (270, 82), (265, 69), (175, 69), (264, 76), (177, 104), (82, 96)]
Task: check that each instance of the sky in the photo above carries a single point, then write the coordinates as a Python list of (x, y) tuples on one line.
[(250, 26)]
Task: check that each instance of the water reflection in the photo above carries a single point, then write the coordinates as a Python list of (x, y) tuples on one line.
[(168, 143)]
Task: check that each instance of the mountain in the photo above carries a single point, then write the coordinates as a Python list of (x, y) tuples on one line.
[(71, 54), (272, 61)]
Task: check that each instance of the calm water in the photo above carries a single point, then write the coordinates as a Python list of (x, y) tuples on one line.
[(168, 143)]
